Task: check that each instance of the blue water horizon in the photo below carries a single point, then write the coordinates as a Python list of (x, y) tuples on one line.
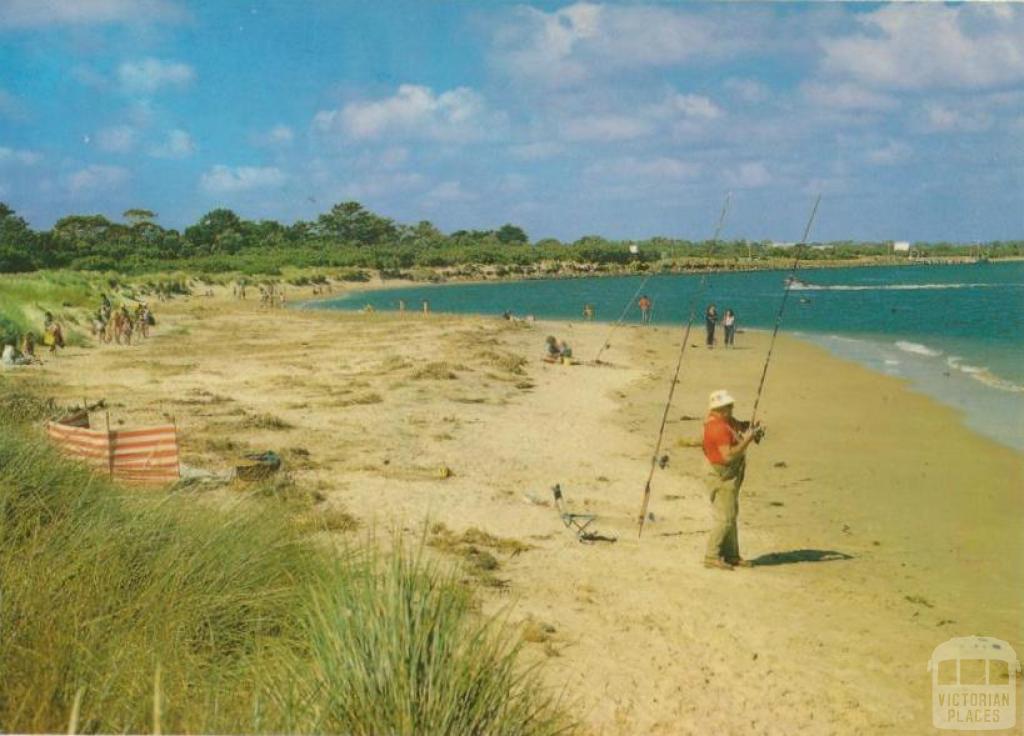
[(953, 331)]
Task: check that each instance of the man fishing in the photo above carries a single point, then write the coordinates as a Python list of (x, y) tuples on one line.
[(725, 447)]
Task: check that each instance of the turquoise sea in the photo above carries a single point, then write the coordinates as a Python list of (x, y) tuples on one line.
[(956, 332)]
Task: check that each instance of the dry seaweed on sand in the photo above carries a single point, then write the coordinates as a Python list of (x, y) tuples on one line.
[(439, 371)]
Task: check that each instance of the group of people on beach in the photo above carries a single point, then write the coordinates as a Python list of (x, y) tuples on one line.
[(728, 325), (271, 297), (21, 349), (120, 324)]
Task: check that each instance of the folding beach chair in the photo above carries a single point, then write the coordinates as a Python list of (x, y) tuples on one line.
[(578, 524)]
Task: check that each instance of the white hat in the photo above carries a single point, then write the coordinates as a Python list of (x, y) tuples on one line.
[(720, 398)]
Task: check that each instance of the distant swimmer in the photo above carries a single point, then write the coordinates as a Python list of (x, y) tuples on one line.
[(645, 304), (725, 447)]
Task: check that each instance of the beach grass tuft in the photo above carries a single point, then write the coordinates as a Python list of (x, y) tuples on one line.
[(128, 611)]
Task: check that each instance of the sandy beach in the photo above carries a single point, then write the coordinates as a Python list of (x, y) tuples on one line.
[(881, 526)]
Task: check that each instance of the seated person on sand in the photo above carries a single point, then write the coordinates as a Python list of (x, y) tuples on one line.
[(28, 348), (552, 353), (558, 351), (11, 357)]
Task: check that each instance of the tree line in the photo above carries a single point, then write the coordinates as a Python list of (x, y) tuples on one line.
[(349, 235)]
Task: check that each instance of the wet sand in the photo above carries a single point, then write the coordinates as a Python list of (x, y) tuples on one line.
[(882, 526)]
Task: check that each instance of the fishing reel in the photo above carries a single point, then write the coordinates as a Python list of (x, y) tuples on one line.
[(759, 432)]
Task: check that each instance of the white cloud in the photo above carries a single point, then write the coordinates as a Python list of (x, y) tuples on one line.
[(944, 118), (16, 156), (178, 144), (695, 107), (585, 40), (96, 179), (449, 191), (846, 96), (389, 158), (748, 175), (930, 45), (414, 111), (40, 13), (659, 168), (747, 90), (893, 152), (226, 179), (605, 128), (117, 139), (676, 113), (149, 75), (279, 136)]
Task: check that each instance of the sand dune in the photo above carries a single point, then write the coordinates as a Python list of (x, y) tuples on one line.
[(884, 527)]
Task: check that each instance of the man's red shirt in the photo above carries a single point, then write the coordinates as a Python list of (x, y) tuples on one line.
[(718, 431)]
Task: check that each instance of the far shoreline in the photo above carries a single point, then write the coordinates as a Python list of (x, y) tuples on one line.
[(816, 339)]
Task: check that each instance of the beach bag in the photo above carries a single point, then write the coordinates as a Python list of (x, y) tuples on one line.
[(150, 320)]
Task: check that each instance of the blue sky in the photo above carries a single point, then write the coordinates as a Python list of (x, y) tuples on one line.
[(621, 119)]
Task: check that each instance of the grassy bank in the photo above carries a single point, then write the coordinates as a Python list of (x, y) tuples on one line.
[(146, 611)]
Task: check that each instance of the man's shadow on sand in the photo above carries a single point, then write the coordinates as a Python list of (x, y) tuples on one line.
[(799, 555)]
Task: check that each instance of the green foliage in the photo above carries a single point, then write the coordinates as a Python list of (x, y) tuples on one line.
[(352, 237)]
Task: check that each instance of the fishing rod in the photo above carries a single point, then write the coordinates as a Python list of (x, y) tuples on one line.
[(782, 307), (675, 376)]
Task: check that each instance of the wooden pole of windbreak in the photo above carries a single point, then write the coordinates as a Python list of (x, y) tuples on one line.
[(110, 447)]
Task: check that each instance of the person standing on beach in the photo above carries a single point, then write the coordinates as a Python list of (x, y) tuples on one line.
[(725, 448), (710, 318), (588, 312), (645, 309), (729, 325)]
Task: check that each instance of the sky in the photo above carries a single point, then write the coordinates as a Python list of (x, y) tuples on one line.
[(626, 120)]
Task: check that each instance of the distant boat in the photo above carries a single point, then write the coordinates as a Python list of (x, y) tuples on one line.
[(794, 283)]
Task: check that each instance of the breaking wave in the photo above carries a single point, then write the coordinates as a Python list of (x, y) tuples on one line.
[(803, 286), (983, 375), (917, 348)]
